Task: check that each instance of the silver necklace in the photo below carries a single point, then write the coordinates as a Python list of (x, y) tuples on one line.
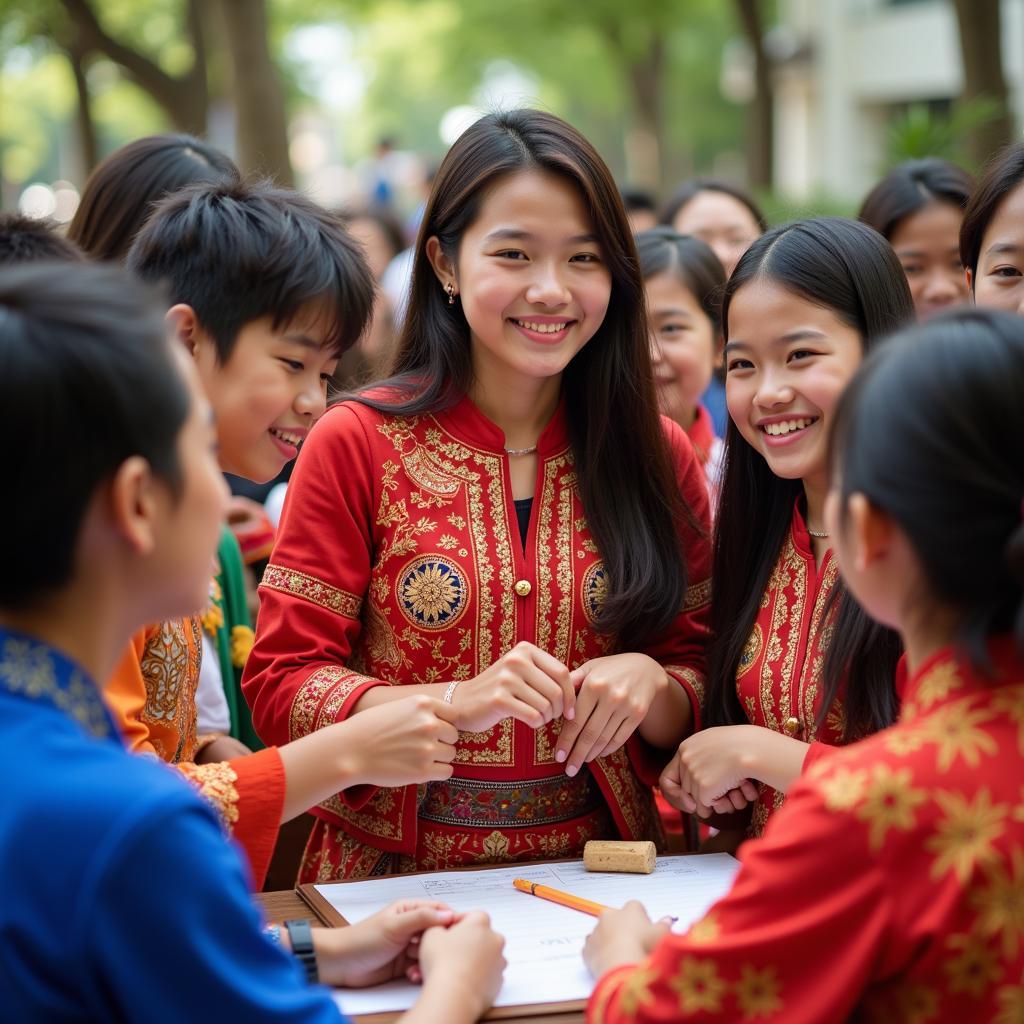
[(521, 451), (819, 534)]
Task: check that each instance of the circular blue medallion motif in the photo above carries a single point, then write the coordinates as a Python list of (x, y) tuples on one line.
[(432, 592), (593, 590)]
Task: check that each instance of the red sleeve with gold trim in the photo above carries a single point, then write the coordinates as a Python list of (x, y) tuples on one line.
[(806, 921), (298, 677), (683, 648), (248, 796)]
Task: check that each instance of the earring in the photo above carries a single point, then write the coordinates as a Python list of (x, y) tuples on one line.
[(450, 289)]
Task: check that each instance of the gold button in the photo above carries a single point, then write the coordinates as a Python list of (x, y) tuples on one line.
[(792, 726), (523, 588)]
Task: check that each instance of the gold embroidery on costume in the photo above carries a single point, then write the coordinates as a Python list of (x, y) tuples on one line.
[(757, 992), (751, 649), (374, 818), (28, 669), (956, 731), (309, 588), (890, 802), (697, 595), (593, 591), (999, 901), (170, 672), (965, 835), (432, 592), (216, 785), (308, 703), (699, 986), (974, 968), (636, 992)]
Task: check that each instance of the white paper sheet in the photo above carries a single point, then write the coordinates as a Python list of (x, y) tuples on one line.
[(543, 941)]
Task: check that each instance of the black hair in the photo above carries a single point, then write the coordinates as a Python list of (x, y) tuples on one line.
[(119, 194), (87, 380), (998, 180), (958, 470), (910, 187), (236, 252), (848, 268), (690, 260), (693, 188), (28, 239), (633, 504), (385, 220), (636, 199)]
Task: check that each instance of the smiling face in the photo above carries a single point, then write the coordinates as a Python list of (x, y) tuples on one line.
[(682, 346), (928, 246), (787, 363), (270, 392), (999, 282), (723, 222), (530, 278)]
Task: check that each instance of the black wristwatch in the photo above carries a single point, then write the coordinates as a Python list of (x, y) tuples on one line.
[(301, 939)]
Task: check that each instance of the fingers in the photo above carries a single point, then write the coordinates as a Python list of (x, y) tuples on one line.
[(596, 732), (560, 675), (585, 704), (676, 795), (417, 919), (749, 790), (624, 731)]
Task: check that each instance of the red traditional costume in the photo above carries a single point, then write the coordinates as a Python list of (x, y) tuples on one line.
[(152, 698), (779, 677), (399, 561), (889, 888)]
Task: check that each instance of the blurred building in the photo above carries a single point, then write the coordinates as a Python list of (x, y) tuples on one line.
[(846, 69)]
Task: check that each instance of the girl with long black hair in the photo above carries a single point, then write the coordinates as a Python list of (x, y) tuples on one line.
[(805, 303), (505, 524)]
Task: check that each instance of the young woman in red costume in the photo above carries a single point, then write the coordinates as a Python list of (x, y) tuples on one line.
[(506, 524), (889, 888), (805, 303)]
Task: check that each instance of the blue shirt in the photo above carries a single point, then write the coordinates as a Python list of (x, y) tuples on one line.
[(119, 897)]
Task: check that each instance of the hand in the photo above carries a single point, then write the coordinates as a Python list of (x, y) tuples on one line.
[(382, 947), (615, 693), (399, 743), (223, 748), (527, 684), (709, 773), (464, 962), (624, 936)]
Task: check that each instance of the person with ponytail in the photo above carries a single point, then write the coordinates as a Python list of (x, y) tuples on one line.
[(889, 886), (804, 305), (506, 524)]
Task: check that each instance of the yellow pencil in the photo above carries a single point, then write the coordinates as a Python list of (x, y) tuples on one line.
[(566, 899)]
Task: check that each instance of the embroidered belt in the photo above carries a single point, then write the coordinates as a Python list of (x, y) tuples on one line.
[(522, 803)]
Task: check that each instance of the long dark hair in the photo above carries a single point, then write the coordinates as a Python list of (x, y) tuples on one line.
[(998, 180), (121, 191), (958, 470), (910, 187), (632, 503), (850, 269)]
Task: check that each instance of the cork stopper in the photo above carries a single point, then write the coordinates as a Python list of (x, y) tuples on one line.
[(613, 855)]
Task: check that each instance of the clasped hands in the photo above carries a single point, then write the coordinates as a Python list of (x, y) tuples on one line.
[(601, 703)]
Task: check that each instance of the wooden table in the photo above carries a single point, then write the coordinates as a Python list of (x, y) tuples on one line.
[(289, 905)]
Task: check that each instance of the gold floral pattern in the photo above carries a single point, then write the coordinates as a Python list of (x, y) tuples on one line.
[(965, 836), (697, 595), (974, 967), (698, 985), (890, 802), (216, 785), (758, 992), (432, 592), (309, 588)]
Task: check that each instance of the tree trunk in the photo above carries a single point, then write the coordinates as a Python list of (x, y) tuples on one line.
[(643, 141), (259, 97), (981, 39), (761, 125), (83, 113), (183, 99)]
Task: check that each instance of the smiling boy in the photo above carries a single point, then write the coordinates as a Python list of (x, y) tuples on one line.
[(266, 290)]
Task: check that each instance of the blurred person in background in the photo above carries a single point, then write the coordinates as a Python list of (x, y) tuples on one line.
[(917, 208)]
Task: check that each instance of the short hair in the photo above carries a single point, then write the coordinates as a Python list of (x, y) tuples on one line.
[(238, 251), (386, 222), (120, 193), (693, 188), (87, 380), (910, 187), (691, 261), (29, 239), (999, 178), (638, 199)]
